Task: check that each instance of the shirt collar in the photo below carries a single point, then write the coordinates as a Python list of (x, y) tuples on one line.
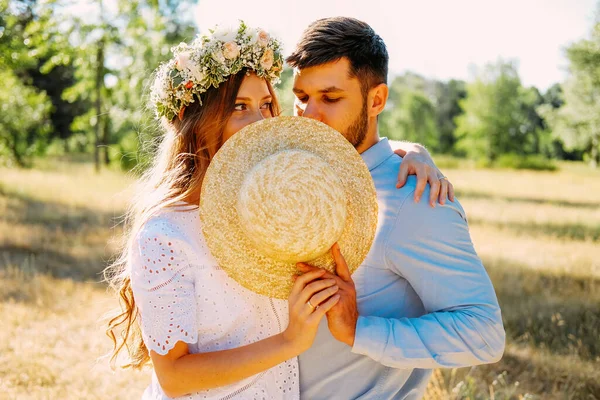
[(375, 155)]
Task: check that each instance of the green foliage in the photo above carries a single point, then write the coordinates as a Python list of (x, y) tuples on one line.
[(423, 110), (498, 114), (414, 120), (89, 76), (410, 114), (284, 92), (23, 120), (577, 122), (448, 97)]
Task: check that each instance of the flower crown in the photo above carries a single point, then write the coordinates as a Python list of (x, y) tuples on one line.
[(208, 61)]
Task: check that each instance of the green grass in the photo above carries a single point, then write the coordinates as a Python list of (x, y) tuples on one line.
[(538, 234)]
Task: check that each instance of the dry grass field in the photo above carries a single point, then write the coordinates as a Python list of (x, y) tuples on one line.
[(537, 232)]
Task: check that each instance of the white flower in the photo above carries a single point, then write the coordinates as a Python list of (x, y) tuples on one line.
[(231, 50), (194, 70), (266, 61), (224, 34), (183, 60), (218, 56), (159, 90)]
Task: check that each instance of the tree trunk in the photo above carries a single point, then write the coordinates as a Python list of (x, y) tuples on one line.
[(106, 138), (595, 154), (99, 84), (12, 145)]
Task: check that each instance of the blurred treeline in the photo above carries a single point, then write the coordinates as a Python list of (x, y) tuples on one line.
[(74, 78)]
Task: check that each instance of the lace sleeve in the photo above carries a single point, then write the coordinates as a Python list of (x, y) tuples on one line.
[(163, 287)]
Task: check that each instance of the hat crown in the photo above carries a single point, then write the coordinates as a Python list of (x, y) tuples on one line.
[(292, 206)]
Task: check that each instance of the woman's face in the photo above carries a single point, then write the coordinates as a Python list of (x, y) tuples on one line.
[(252, 104)]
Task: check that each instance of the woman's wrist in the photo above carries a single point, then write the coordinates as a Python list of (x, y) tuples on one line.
[(290, 346)]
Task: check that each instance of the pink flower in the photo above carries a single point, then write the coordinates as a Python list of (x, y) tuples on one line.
[(231, 50), (266, 61), (263, 38)]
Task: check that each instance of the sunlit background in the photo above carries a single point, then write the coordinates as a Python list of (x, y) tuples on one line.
[(504, 94), (437, 39)]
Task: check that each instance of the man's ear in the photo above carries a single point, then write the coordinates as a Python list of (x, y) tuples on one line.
[(377, 99)]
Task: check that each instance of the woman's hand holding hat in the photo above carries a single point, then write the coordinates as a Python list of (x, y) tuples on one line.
[(342, 318), (311, 298)]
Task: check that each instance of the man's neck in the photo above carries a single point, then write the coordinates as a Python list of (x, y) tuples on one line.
[(371, 138)]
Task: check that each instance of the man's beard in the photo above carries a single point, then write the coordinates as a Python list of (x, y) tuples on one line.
[(357, 131)]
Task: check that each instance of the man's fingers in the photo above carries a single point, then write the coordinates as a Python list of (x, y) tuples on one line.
[(341, 267), (305, 267), (402, 175), (328, 275)]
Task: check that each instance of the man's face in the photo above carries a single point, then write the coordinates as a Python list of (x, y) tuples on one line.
[(328, 94)]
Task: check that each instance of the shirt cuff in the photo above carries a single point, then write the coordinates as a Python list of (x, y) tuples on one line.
[(371, 337)]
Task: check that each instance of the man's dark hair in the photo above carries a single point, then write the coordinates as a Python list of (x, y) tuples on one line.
[(329, 39)]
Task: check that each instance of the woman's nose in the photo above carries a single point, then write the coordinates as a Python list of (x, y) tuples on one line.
[(256, 116)]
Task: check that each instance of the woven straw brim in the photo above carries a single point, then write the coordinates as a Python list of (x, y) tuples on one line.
[(221, 226)]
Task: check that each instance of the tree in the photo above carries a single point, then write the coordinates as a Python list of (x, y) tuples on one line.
[(410, 113), (414, 120), (24, 109), (284, 92), (33, 47), (23, 119), (577, 122), (412, 105), (115, 57), (495, 119), (447, 108)]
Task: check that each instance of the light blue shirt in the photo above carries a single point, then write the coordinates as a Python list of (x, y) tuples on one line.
[(424, 300)]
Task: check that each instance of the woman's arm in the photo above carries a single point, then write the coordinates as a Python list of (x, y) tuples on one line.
[(180, 372), (417, 161)]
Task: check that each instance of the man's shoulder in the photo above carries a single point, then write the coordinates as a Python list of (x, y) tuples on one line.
[(385, 177)]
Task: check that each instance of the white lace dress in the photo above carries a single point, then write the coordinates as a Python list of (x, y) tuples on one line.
[(182, 295)]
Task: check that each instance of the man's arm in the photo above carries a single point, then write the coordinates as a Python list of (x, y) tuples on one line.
[(432, 250)]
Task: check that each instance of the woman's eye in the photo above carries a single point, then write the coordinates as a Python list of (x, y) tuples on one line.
[(240, 107), (266, 106), (302, 99), (330, 100)]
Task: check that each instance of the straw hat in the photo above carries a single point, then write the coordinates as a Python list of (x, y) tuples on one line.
[(281, 191)]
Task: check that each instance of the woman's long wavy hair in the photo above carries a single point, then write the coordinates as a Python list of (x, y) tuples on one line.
[(175, 175)]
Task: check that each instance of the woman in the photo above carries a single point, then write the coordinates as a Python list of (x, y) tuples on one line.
[(207, 336)]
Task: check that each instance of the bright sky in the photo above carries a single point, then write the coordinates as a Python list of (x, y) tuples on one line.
[(439, 39)]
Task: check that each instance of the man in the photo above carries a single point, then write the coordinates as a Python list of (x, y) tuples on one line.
[(422, 299)]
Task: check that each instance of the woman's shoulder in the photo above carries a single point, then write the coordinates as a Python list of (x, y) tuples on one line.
[(179, 222), (167, 246), (174, 231)]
